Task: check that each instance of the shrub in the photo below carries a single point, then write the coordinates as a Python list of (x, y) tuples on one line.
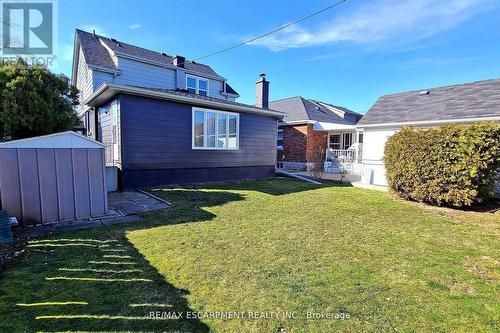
[(452, 165), (315, 165), (34, 101)]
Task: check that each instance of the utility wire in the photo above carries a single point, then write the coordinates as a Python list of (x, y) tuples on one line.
[(272, 31)]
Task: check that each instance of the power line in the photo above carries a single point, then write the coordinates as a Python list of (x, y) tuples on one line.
[(272, 31)]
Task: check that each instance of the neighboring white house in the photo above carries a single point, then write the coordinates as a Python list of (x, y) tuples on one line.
[(463, 103)]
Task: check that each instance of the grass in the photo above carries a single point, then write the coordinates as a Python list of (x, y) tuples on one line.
[(275, 248)]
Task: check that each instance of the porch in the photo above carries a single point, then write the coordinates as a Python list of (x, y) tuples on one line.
[(341, 145), (344, 151)]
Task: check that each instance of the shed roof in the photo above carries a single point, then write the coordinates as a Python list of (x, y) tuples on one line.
[(57, 140)]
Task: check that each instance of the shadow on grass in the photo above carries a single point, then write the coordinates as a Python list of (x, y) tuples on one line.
[(71, 288), (112, 293), (95, 280), (274, 186), (188, 206)]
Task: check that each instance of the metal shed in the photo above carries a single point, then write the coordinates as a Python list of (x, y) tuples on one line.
[(53, 178)]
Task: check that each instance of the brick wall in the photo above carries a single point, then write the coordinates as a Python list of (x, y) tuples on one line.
[(315, 139), (299, 142)]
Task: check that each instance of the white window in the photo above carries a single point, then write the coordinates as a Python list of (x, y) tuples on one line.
[(198, 128), (334, 141), (222, 130), (215, 129), (347, 140), (191, 84), (280, 139), (197, 85)]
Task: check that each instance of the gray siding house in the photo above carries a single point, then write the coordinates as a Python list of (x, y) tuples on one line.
[(167, 120)]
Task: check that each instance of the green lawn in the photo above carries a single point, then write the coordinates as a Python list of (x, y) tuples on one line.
[(266, 247)]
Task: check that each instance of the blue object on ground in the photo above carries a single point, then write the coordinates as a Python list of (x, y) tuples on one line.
[(5, 228)]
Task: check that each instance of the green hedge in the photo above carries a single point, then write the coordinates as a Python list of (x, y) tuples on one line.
[(452, 165)]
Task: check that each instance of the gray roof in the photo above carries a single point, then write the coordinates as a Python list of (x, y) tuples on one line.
[(96, 54), (470, 100), (181, 92), (230, 90), (301, 109)]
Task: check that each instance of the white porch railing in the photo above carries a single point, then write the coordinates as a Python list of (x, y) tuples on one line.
[(344, 160), (351, 155)]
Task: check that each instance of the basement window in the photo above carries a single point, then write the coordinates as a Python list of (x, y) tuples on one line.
[(280, 139)]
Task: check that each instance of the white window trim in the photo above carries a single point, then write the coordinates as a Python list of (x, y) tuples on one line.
[(340, 141), (278, 146), (217, 112), (197, 80), (354, 139)]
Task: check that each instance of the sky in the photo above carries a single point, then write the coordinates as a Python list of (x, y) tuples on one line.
[(348, 56)]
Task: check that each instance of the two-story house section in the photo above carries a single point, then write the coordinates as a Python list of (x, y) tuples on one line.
[(99, 60), (168, 120)]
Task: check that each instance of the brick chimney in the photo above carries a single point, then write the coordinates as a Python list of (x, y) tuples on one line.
[(262, 92), (178, 61)]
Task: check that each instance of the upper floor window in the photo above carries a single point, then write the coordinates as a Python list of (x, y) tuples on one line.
[(215, 129), (197, 85), (280, 139)]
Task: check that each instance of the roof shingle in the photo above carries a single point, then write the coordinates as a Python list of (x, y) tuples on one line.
[(301, 109), (462, 101), (180, 92), (96, 54)]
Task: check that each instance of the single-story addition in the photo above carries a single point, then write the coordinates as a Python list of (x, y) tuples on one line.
[(168, 120), (309, 125), (462, 103)]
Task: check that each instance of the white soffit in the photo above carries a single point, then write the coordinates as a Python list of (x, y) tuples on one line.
[(320, 126)]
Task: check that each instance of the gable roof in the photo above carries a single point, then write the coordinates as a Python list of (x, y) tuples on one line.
[(300, 109), (96, 54), (449, 103)]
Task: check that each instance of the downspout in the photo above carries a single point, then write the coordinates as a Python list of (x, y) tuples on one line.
[(96, 124)]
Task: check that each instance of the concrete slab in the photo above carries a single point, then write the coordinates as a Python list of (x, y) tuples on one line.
[(121, 219), (73, 225), (131, 203), (123, 207)]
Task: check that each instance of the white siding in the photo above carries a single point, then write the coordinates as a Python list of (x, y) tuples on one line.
[(373, 155), (83, 79), (145, 75)]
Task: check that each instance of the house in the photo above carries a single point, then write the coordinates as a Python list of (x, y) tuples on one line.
[(309, 125), (168, 120), (462, 103)]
